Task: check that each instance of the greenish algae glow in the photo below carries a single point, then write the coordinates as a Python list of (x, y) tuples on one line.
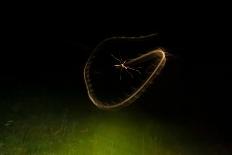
[(75, 131)]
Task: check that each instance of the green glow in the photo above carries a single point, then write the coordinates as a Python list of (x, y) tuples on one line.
[(91, 132)]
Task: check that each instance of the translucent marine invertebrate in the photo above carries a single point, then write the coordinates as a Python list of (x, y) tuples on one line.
[(120, 69)]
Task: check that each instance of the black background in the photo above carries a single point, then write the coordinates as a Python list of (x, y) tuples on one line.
[(48, 51)]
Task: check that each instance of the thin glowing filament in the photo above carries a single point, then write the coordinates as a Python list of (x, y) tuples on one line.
[(155, 54)]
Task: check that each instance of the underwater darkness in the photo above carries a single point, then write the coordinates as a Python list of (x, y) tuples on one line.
[(44, 106)]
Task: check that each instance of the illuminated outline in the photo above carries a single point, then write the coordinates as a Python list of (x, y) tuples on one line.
[(102, 105)]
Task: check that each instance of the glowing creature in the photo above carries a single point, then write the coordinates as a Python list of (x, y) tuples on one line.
[(104, 88)]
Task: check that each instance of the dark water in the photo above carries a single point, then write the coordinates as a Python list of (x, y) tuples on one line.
[(43, 98)]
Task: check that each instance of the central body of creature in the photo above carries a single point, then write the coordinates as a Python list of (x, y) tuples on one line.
[(122, 66)]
